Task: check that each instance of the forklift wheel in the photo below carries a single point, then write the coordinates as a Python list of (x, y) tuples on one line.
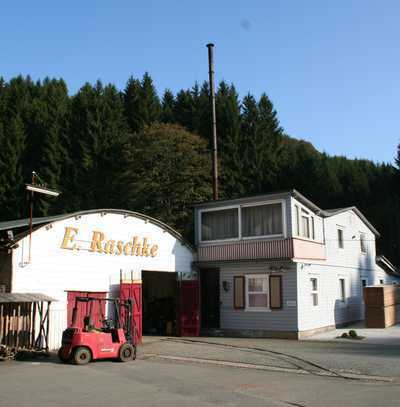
[(62, 357), (127, 352), (82, 356)]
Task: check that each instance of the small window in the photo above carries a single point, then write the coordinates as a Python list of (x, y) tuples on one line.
[(314, 291), (363, 246), (381, 281), (342, 288), (298, 220), (340, 238), (257, 292), (220, 225), (305, 224), (312, 228), (364, 282)]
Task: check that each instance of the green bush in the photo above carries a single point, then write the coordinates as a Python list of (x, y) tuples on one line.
[(353, 333)]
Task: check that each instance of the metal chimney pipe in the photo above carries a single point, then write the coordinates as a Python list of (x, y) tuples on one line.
[(214, 120)]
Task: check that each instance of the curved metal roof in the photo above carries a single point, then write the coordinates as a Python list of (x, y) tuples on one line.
[(42, 222)]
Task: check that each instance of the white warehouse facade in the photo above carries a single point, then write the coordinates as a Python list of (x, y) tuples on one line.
[(91, 253)]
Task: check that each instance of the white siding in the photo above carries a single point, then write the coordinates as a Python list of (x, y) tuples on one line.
[(277, 320), (318, 221), (54, 270), (349, 263), (330, 310)]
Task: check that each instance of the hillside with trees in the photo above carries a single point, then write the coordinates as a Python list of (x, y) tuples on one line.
[(134, 149)]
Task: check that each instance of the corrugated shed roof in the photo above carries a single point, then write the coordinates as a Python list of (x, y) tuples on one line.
[(24, 297)]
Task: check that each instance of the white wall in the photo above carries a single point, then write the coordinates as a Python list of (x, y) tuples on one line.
[(54, 270), (348, 263), (318, 221)]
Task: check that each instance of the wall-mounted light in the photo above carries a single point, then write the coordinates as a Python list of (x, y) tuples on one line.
[(226, 286)]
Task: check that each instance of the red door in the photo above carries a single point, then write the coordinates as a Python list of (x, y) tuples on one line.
[(134, 290), (190, 313), (96, 309)]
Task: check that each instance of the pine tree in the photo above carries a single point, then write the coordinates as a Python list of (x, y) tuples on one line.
[(12, 196), (167, 107), (132, 94), (142, 105), (98, 134), (229, 141), (183, 109), (150, 103), (47, 137)]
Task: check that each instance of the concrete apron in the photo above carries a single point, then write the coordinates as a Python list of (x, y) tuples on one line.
[(375, 336), (174, 350)]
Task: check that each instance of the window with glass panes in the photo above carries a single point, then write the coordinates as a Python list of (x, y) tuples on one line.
[(257, 291), (314, 291)]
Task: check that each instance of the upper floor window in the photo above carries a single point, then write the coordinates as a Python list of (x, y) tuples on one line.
[(305, 224), (340, 238), (363, 246), (242, 222), (297, 220), (262, 220), (220, 224)]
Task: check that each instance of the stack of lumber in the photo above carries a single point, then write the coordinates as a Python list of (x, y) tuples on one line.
[(382, 306)]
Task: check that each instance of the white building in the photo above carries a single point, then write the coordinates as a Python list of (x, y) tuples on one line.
[(277, 265), (88, 254)]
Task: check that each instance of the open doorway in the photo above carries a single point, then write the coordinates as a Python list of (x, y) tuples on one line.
[(160, 303)]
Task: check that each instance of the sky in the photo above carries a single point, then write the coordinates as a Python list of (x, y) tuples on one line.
[(331, 68)]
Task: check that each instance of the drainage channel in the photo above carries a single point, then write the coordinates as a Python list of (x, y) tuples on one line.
[(300, 365)]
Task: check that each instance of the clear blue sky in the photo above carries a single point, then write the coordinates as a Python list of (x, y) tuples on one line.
[(332, 68)]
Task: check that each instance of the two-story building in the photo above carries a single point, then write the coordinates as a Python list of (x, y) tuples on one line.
[(278, 265)]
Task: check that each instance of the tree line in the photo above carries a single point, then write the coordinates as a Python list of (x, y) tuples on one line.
[(132, 149)]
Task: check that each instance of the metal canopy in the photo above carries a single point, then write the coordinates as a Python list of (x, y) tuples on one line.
[(24, 297)]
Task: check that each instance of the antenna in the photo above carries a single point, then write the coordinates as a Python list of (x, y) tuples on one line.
[(214, 120), (40, 189)]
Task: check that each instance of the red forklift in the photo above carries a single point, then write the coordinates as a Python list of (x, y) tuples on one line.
[(113, 340)]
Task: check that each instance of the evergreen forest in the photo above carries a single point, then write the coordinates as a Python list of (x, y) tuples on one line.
[(143, 151)]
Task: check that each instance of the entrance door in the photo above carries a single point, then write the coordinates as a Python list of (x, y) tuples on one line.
[(210, 303), (134, 290), (190, 321)]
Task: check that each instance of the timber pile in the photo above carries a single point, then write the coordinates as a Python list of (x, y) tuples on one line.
[(24, 323), (382, 306)]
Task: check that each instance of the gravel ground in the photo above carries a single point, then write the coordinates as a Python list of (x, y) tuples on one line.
[(367, 359)]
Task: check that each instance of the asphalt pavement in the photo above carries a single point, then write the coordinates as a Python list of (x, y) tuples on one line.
[(349, 357), (145, 383)]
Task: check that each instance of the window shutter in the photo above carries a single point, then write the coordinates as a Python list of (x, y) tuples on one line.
[(275, 292), (238, 292)]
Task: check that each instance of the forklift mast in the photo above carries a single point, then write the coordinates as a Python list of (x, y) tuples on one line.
[(126, 306)]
